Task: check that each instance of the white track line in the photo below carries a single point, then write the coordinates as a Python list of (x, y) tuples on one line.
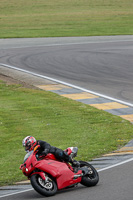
[(68, 84), (115, 165), (6, 195)]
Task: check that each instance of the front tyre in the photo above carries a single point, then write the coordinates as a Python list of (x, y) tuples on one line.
[(92, 178), (46, 187)]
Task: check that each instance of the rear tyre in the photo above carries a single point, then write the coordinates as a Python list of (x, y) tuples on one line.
[(90, 179), (46, 188)]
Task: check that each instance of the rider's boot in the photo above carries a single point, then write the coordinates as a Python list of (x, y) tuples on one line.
[(75, 165)]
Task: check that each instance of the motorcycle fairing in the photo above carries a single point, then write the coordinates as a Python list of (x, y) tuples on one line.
[(60, 171)]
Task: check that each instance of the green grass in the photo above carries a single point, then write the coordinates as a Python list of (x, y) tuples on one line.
[(43, 18), (60, 121)]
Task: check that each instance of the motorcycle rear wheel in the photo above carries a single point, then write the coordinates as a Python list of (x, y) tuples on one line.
[(47, 189), (90, 179)]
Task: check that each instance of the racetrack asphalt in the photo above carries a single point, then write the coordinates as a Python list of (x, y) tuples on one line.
[(119, 108)]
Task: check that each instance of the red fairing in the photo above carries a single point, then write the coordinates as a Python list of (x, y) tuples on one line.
[(47, 174), (61, 171)]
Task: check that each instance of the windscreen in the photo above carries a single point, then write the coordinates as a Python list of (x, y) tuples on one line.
[(27, 156)]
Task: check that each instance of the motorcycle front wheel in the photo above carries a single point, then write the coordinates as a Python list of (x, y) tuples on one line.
[(92, 178), (46, 187)]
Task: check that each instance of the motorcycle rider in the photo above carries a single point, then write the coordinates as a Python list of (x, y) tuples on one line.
[(30, 143)]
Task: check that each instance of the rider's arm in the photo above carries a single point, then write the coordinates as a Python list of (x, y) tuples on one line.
[(44, 147)]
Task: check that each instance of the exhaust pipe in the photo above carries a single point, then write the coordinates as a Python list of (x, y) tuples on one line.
[(85, 171)]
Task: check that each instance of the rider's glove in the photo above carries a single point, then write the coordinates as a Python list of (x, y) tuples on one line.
[(45, 152)]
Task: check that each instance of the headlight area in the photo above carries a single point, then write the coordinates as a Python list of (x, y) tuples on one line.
[(27, 169)]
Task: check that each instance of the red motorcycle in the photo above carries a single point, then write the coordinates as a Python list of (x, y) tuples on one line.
[(48, 175)]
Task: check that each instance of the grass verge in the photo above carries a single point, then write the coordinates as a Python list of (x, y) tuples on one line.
[(60, 121), (42, 18)]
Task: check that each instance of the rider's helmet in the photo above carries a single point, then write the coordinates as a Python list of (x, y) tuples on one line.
[(29, 143)]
